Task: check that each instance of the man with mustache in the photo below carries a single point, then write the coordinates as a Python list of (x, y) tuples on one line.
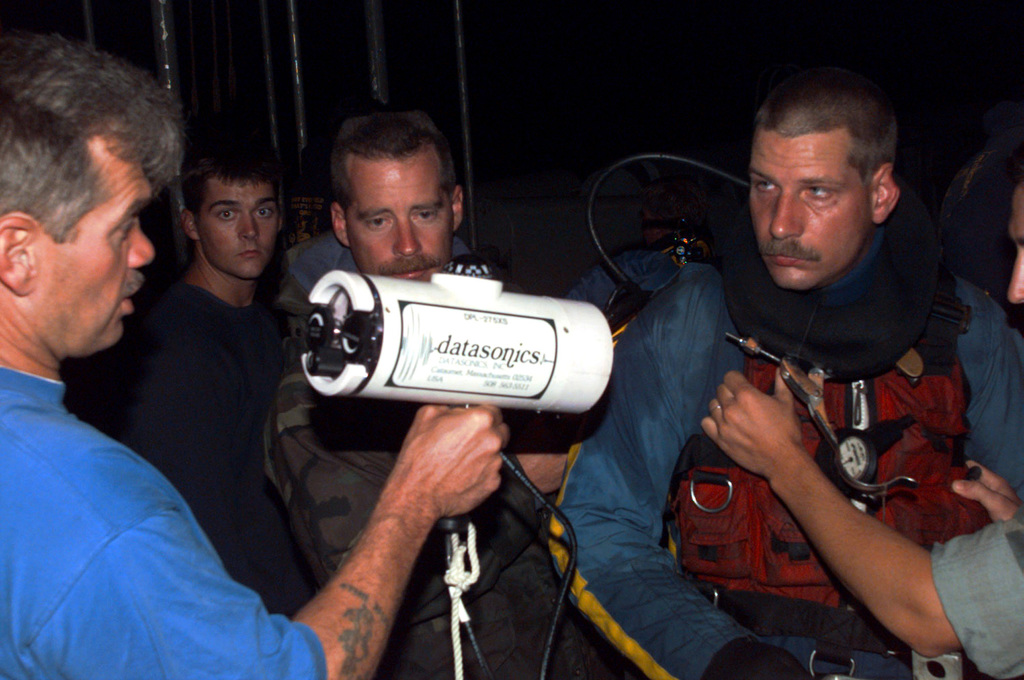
[(836, 268), (412, 147), (211, 357), (397, 208), (967, 593), (106, 572)]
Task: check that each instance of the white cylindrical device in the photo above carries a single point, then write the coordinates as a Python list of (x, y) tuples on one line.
[(455, 340)]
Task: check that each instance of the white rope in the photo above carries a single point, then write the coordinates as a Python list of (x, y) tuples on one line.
[(459, 581)]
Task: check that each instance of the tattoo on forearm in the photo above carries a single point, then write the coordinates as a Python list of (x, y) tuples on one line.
[(355, 641)]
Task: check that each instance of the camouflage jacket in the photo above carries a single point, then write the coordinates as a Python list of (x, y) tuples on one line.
[(330, 458)]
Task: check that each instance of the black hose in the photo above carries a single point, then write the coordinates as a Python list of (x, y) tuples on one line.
[(479, 653), (570, 534), (617, 273)]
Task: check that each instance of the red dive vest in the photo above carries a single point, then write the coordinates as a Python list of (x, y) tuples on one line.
[(752, 543)]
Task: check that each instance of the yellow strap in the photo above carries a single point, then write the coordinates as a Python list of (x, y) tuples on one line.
[(590, 606)]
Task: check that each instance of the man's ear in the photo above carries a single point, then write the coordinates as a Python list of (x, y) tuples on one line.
[(885, 193), (339, 224), (19, 252), (456, 207), (188, 224)]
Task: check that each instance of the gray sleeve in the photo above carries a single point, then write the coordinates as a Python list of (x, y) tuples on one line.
[(980, 581)]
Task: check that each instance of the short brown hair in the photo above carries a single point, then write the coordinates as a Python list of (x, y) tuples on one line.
[(826, 99), (232, 163), (387, 136)]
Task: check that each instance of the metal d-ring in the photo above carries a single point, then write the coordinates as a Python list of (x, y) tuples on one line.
[(710, 478), (810, 664)]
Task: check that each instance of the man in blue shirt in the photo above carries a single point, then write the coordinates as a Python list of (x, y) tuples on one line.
[(106, 572)]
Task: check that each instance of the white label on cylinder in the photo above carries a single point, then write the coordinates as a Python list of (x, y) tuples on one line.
[(474, 351)]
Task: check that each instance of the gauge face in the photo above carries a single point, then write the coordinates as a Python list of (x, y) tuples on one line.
[(855, 457)]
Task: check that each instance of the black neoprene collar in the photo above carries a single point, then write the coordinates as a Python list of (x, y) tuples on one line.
[(857, 340)]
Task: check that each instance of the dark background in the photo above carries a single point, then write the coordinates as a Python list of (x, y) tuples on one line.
[(576, 85), (563, 88)]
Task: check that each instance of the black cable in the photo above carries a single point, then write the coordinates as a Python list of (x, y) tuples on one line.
[(617, 274), (479, 653), (570, 536), (453, 526)]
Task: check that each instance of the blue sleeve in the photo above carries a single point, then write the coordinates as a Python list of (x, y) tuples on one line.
[(649, 269), (992, 356), (667, 366), (159, 605), (593, 286)]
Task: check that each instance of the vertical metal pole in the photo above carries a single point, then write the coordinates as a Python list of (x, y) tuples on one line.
[(90, 34), (268, 72), (167, 73), (467, 150), (164, 40), (377, 53), (300, 107)]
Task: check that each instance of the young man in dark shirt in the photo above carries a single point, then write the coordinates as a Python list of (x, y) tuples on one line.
[(211, 359)]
